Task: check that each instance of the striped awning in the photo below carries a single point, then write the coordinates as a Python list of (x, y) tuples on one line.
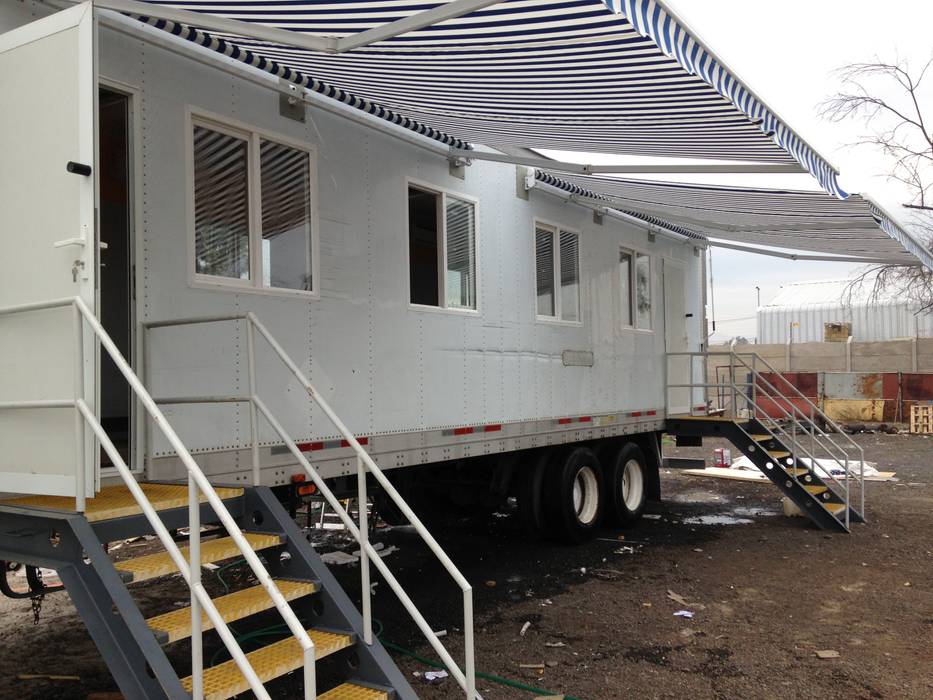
[(608, 76), (776, 219)]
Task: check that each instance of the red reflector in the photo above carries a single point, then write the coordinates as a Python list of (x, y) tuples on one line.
[(585, 419), (316, 446), (564, 421), (297, 478), (462, 431), (303, 446), (651, 413), (307, 490), (362, 441), (635, 414), (492, 428)]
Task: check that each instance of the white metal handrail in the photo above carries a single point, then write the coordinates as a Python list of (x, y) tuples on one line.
[(466, 677), (198, 484), (790, 410)]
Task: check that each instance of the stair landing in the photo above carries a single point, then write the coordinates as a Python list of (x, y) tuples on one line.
[(117, 501)]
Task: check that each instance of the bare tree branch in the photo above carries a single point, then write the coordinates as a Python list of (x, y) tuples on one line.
[(886, 98)]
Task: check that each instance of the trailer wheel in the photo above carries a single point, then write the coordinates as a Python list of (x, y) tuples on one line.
[(530, 493), (573, 494), (627, 483)]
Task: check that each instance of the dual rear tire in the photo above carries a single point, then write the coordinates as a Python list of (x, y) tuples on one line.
[(566, 492)]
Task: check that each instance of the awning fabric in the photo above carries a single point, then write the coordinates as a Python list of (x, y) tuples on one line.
[(783, 219), (608, 76)]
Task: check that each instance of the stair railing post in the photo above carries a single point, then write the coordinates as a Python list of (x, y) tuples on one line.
[(366, 588), (194, 564), (253, 415), (848, 501), (469, 660), (80, 456), (310, 674), (735, 408)]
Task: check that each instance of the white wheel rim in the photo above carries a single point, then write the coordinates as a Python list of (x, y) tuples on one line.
[(633, 484), (586, 495)]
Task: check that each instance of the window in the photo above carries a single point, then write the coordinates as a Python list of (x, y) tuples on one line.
[(625, 285), (441, 249), (557, 273), (221, 204), (635, 288), (251, 224)]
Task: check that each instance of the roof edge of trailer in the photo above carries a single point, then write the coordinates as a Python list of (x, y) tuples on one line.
[(233, 51), (575, 190)]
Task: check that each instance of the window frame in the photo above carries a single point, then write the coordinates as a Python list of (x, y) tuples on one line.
[(635, 252), (443, 306), (555, 230), (253, 135)]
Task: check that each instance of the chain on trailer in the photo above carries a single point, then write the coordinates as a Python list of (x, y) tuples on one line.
[(36, 587)]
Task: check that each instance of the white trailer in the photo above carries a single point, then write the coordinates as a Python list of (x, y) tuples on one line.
[(217, 276), (445, 312)]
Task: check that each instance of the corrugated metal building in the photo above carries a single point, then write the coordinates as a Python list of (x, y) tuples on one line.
[(819, 310)]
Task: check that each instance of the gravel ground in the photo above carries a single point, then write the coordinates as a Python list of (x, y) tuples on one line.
[(767, 593)]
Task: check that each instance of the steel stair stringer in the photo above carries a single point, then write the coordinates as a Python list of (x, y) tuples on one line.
[(782, 475), (133, 655), (372, 663)]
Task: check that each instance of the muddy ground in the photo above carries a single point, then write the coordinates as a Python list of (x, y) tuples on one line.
[(766, 591)]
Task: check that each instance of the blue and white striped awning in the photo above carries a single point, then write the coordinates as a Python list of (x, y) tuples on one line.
[(775, 219), (608, 76)]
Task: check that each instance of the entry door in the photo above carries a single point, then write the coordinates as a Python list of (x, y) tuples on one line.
[(675, 337), (47, 234)]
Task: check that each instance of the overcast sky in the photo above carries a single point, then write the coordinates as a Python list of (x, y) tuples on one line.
[(788, 52)]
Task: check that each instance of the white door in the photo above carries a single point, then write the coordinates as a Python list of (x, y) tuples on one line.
[(675, 337), (47, 233)]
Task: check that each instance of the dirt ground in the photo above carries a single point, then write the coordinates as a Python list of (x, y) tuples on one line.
[(766, 591)]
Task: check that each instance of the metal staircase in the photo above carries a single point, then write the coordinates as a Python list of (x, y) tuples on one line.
[(797, 446), (320, 622)]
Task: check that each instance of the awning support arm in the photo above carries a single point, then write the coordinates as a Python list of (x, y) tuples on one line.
[(805, 256), (460, 155), (419, 20), (286, 37)]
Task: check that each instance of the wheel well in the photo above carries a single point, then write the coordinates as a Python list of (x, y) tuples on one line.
[(650, 444)]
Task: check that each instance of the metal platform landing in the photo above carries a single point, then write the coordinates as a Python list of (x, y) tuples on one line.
[(117, 501)]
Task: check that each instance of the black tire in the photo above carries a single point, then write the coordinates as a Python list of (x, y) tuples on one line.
[(626, 482), (530, 493), (573, 517)]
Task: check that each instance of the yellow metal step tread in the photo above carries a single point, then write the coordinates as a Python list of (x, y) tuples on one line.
[(816, 490), (351, 691), (225, 680), (761, 438), (117, 501), (797, 471), (835, 508), (176, 625), (161, 564), (779, 454)]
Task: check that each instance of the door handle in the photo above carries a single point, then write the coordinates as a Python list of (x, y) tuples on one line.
[(79, 241), (67, 242)]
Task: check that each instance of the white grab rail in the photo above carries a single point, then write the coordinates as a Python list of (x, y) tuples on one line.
[(198, 483), (466, 677)]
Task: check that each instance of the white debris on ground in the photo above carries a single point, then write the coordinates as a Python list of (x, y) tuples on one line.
[(823, 468)]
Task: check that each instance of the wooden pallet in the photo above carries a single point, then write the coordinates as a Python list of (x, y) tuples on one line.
[(921, 418)]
